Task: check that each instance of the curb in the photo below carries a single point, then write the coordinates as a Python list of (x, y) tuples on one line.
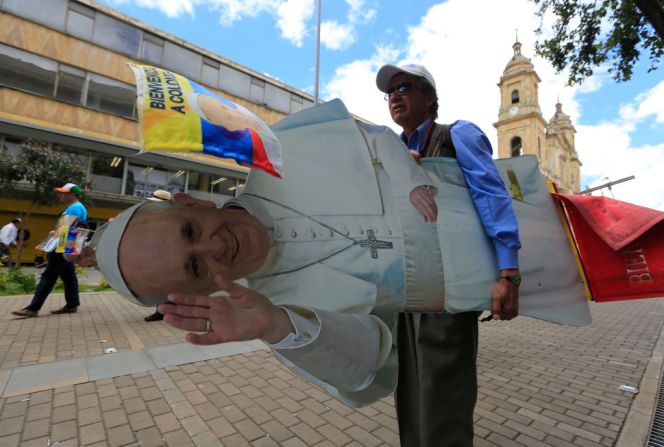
[(636, 429)]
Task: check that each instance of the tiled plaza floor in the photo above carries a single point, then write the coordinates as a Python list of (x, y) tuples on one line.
[(540, 384)]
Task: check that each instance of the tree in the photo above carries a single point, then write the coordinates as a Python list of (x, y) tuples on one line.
[(588, 34), (42, 169)]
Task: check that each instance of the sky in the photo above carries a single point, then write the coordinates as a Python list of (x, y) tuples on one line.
[(464, 43)]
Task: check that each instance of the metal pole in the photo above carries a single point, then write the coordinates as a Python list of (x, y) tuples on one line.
[(606, 185), (317, 52)]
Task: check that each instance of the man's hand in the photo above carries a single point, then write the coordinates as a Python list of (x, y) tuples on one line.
[(242, 315), (416, 156), (423, 202), (505, 298)]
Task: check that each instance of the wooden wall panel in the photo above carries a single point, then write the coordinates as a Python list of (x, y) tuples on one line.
[(53, 114), (54, 45)]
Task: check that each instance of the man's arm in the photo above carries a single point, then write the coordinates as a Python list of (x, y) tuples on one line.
[(494, 206)]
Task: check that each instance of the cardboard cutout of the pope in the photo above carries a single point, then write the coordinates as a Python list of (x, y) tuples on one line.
[(338, 244)]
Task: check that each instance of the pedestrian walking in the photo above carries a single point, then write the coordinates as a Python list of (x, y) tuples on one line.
[(57, 265)]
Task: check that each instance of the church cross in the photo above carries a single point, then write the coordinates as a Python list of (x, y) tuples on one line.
[(374, 244)]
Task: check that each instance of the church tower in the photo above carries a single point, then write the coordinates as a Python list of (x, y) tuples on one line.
[(521, 128), (523, 131), (562, 165)]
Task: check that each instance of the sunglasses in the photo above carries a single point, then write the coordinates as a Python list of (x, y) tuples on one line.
[(400, 89)]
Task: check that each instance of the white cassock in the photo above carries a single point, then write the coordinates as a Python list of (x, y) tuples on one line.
[(350, 248)]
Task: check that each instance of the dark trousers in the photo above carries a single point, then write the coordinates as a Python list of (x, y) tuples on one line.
[(437, 389), (57, 266)]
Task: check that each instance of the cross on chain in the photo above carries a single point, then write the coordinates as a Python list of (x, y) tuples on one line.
[(374, 244)]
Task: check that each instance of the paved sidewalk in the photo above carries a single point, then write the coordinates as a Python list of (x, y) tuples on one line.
[(540, 384)]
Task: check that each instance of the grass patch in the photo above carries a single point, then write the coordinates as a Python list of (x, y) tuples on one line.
[(13, 281)]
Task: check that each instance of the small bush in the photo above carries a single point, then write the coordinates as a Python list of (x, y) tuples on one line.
[(14, 282)]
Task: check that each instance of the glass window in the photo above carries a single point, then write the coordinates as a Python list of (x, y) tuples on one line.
[(10, 145), (142, 181), (50, 13), (78, 158), (153, 48), (80, 21), (198, 182), (117, 35), (182, 61), (26, 71), (211, 187), (223, 185), (70, 84), (210, 74), (515, 146), (111, 96), (515, 96), (257, 91), (106, 173)]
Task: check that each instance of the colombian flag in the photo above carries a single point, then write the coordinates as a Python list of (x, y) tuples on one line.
[(178, 115)]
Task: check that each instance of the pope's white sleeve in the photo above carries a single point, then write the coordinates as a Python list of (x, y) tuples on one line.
[(306, 330), (328, 359), (387, 149)]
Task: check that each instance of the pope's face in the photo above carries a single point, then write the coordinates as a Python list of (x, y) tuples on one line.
[(182, 248)]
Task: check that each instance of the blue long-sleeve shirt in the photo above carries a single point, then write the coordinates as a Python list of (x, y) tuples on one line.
[(491, 199)]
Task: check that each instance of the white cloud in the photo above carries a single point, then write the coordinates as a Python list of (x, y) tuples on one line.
[(359, 12), (234, 10), (607, 152), (649, 103), (293, 16), (172, 8), (467, 66), (336, 36), (339, 36), (464, 62), (355, 84), (607, 155)]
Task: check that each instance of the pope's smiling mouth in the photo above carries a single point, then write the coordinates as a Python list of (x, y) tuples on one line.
[(236, 247)]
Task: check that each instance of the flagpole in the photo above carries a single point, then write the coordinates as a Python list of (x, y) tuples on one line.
[(317, 52)]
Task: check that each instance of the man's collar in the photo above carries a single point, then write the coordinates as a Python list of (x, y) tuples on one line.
[(419, 136)]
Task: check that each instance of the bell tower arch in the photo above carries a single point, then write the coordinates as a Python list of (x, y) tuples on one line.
[(521, 127)]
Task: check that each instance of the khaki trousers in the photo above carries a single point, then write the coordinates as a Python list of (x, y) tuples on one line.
[(437, 389)]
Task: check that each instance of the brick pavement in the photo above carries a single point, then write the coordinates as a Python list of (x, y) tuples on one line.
[(540, 385)]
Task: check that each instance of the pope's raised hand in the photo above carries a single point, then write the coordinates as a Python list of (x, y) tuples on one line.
[(242, 315)]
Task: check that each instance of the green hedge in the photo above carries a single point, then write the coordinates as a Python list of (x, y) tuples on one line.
[(13, 281)]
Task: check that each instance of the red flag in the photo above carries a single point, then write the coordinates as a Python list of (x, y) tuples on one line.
[(621, 247)]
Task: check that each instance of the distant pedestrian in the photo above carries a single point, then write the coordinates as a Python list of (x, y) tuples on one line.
[(57, 265), (8, 239), (158, 195)]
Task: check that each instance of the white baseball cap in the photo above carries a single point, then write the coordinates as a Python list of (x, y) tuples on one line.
[(387, 72), (159, 195)]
